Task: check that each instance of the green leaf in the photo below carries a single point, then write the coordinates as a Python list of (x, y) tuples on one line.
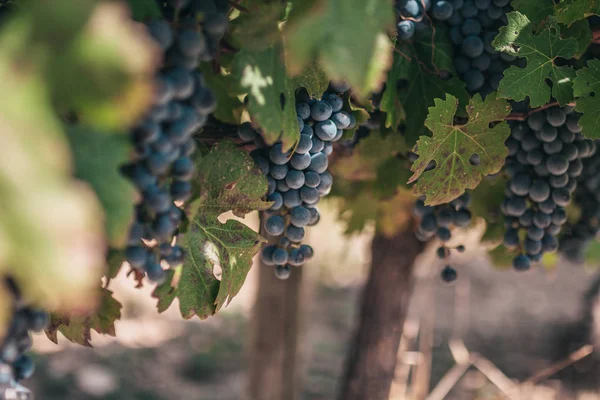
[(78, 329), (569, 11), (421, 89), (118, 59), (540, 51), (486, 199), (451, 147), (348, 37), (536, 10), (587, 89), (390, 100), (142, 10), (368, 155), (581, 32), (97, 159), (258, 29), (417, 65), (114, 259), (229, 181), (226, 91), (313, 79), (271, 100)]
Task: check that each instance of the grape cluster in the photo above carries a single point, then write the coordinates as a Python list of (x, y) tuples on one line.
[(437, 222), (473, 26), (412, 15), (545, 160), (298, 179), (575, 237), (17, 340), (163, 142)]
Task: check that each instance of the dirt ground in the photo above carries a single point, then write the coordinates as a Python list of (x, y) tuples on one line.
[(521, 323)]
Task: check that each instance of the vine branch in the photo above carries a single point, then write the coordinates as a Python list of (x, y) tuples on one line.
[(524, 115)]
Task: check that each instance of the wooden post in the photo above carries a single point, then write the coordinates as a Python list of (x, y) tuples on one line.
[(372, 356), (273, 369)]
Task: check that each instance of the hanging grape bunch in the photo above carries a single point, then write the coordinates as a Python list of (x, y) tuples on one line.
[(411, 14), (437, 222), (299, 178), (473, 26), (545, 161), (17, 340), (162, 168), (576, 237)]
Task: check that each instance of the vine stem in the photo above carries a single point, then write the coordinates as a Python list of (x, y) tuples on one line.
[(523, 116), (596, 35)]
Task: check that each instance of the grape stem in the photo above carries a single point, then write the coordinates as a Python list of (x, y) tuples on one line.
[(524, 116), (235, 4), (596, 35)]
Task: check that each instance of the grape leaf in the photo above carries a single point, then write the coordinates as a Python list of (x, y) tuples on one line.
[(368, 155), (348, 37), (486, 199), (587, 89), (258, 28), (541, 50), (359, 206), (452, 146), (225, 89), (271, 100), (97, 159), (581, 32), (114, 259), (313, 79), (536, 10), (229, 181), (142, 10), (118, 60), (417, 66), (569, 11), (418, 94), (78, 328)]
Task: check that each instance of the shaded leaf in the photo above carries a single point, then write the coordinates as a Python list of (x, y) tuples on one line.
[(587, 89), (486, 199), (313, 79), (97, 159), (348, 37), (229, 181), (451, 147), (541, 51), (78, 328), (569, 11), (142, 10), (536, 10), (226, 91), (271, 99)]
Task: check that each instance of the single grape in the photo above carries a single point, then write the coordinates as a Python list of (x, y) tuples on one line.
[(275, 225), (449, 274), (521, 263)]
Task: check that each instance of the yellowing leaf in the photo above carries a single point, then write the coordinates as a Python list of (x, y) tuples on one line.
[(229, 181), (348, 37), (452, 146)]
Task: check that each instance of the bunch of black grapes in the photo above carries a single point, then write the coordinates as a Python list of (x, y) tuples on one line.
[(412, 19), (298, 179), (437, 221), (17, 340), (577, 236), (546, 159), (163, 138)]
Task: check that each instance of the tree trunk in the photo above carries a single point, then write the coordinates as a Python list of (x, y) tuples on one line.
[(273, 370), (372, 356)]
